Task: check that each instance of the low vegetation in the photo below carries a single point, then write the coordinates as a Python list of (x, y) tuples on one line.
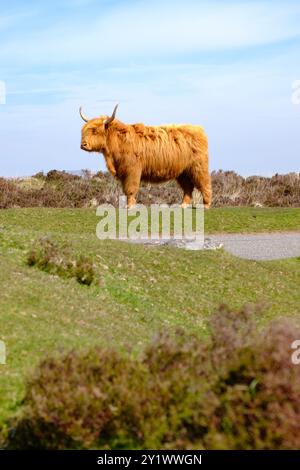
[(238, 389), (47, 221), (93, 307), (61, 189), (136, 290), (48, 256)]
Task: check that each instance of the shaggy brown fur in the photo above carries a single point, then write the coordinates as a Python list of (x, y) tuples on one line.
[(137, 152)]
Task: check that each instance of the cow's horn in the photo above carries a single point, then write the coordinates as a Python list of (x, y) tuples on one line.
[(82, 115), (112, 117)]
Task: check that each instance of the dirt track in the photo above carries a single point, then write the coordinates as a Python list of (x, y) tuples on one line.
[(256, 246), (261, 246)]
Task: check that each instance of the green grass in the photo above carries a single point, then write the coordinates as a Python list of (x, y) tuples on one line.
[(225, 219), (250, 219), (139, 291)]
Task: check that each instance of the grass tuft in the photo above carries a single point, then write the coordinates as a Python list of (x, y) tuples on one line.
[(48, 256)]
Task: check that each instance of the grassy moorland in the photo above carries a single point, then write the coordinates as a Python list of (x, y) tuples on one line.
[(217, 220), (137, 290)]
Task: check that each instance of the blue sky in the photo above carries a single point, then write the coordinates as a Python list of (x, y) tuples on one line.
[(226, 65)]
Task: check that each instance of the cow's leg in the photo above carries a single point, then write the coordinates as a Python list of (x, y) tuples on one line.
[(202, 180), (187, 187), (110, 165), (131, 184)]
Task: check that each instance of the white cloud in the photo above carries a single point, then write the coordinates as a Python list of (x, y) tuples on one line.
[(245, 104), (245, 109), (149, 30)]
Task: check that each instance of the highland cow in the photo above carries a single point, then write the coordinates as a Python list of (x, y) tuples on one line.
[(135, 153)]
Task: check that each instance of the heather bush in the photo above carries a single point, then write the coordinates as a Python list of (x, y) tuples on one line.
[(258, 395), (48, 256), (84, 270), (39, 175), (236, 390), (89, 395), (230, 189), (56, 175), (62, 189)]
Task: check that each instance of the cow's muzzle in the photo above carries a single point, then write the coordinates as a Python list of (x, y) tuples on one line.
[(85, 146)]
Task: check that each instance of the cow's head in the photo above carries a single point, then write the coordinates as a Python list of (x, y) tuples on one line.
[(94, 132)]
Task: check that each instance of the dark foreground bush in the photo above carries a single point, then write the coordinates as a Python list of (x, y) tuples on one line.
[(239, 390), (47, 256)]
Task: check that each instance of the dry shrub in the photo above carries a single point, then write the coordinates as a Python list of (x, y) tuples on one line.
[(39, 175), (237, 390), (47, 256), (230, 189), (56, 175), (61, 189)]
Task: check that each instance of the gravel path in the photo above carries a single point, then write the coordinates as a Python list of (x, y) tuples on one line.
[(256, 246), (260, 246)]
